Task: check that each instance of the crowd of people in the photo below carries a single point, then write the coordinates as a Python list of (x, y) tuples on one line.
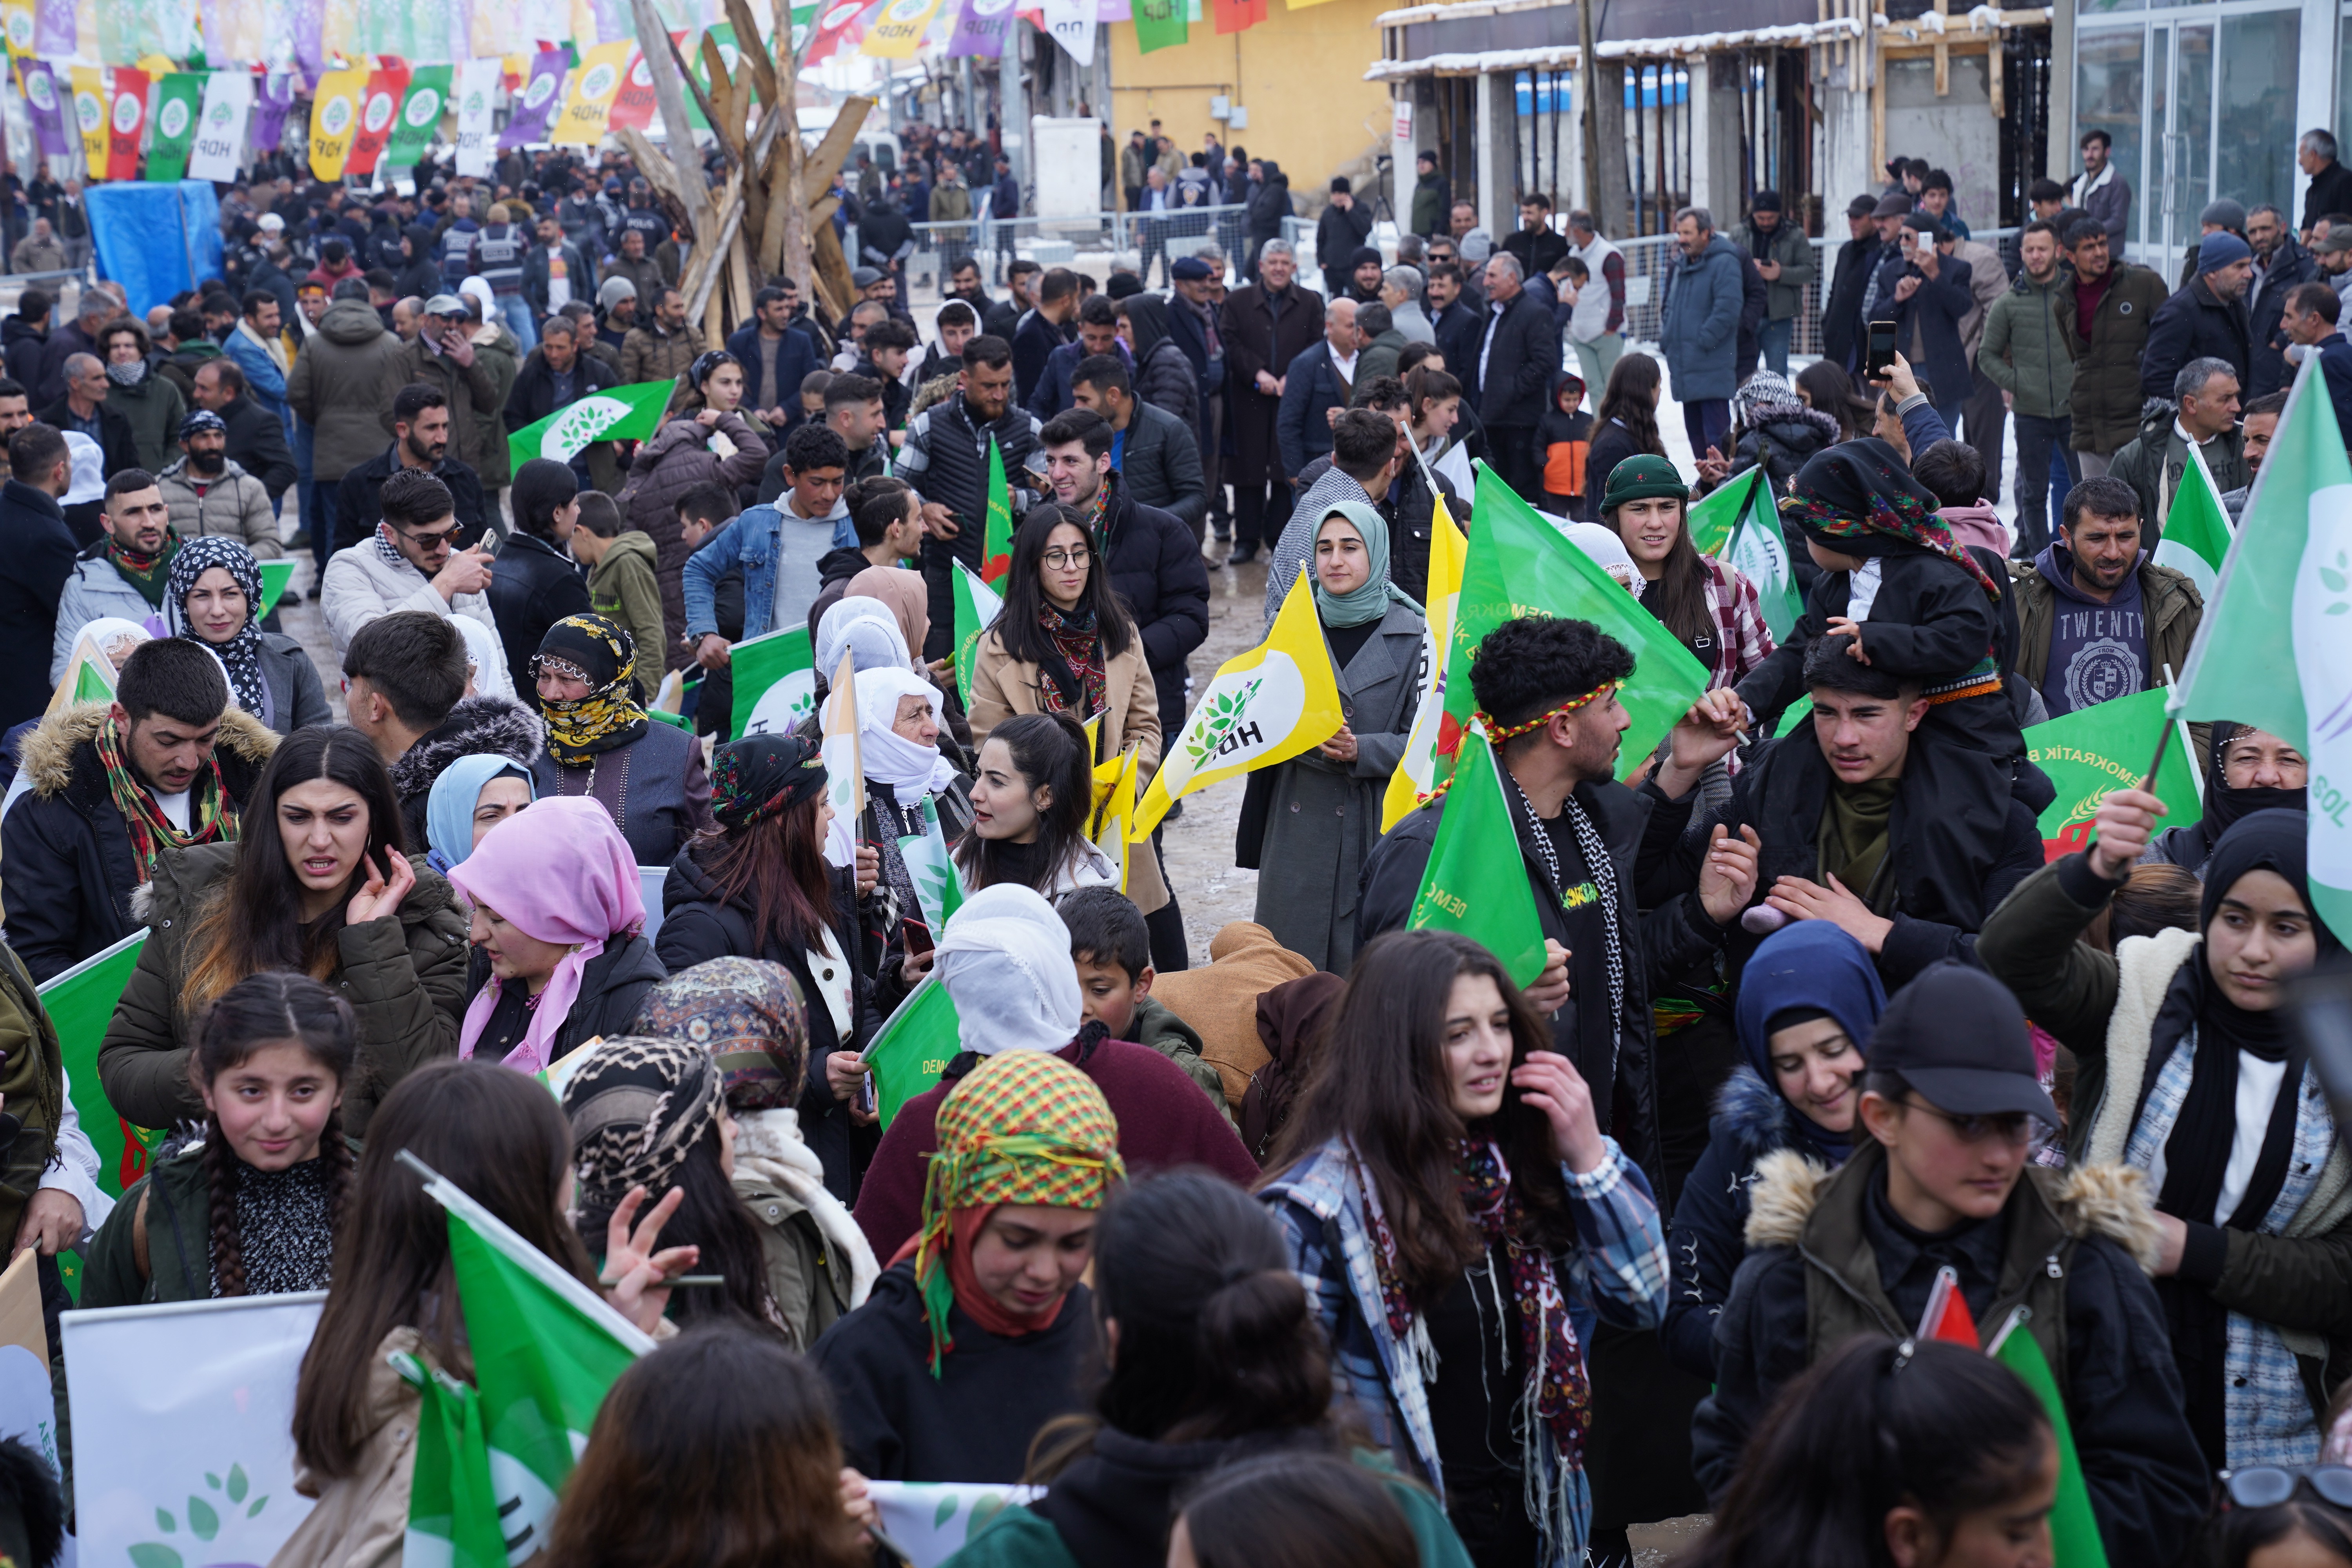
[(1347, 1245)]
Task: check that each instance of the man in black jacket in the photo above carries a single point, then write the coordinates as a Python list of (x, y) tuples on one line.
[(554, 375), (1158, 462), (1345, 225), (2331, 182), (420, 439), (1561, 779), (1537, 248), (945, 459), (1097, 333), (1509, 375), (73, 858), (551, 260), (1453, 319), (257, 438), (1857, 259), (1319, 382), (40, 550), (536, 583), (1043, 330), (2206, 320), (2280, 263), (84, 408), (776, 360)]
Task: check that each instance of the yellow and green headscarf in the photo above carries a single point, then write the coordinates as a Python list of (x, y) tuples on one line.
[(598, 651)]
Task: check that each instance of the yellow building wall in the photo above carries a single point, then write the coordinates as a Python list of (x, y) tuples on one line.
[(1299, 73)]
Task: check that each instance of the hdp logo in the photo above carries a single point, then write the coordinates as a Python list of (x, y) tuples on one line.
[(842, 15), (991, 7), (173, 122), (220, 114), (41, 90), (335, 118), (475, 103), (87, 113), (640, 74), (20, 31), (542, 87), (424, 108), (581, 424), (908, 10), (379, 112), (598, 83), (127, 110)]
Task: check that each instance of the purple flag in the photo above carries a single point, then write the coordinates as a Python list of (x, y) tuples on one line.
[(527, 123), (53, 29), (309, 46), (270, 109), (41, 99), (982, 27)]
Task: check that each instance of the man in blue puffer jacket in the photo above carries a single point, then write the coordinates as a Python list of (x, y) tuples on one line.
[(1701, 331)]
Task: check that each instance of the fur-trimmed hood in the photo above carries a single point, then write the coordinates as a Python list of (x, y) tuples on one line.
[(1751, 1114), (2109, 1201), (485, 724), (49, 755)]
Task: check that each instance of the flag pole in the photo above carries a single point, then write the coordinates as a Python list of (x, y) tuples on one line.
[(2173, 703)]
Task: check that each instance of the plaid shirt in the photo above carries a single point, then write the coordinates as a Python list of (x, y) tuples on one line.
[(1742, 640)]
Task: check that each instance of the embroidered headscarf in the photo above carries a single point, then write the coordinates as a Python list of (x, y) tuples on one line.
[(241, 655), (761, 776), (1026, 1128), (601, 653), (449, 808), (749, 1015), (1809, 969), (1372, 600), (638, 1106), (1859, 498), (561, 873)]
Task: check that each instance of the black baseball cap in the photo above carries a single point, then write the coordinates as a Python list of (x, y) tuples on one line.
[(1959, 1038)]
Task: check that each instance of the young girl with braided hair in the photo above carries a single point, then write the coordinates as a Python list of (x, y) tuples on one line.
[(252, 1208)]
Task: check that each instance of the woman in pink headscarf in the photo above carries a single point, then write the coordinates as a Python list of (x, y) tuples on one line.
[(559, 913)]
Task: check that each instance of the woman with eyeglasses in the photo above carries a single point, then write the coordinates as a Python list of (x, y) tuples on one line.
[(1940, 1182), (2186, 1068)]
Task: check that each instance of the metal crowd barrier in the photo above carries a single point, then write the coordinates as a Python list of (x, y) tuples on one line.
[(1086, 244)]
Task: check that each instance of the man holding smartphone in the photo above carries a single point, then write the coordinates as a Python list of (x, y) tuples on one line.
[(1925, 292)]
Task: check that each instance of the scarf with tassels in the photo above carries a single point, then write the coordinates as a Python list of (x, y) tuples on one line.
[(146, 572), (210, 816)]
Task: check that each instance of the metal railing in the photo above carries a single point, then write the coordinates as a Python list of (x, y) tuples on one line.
[(1086, 244)]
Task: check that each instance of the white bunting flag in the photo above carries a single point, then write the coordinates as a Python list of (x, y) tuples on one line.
[(220, 128), (478, 83)]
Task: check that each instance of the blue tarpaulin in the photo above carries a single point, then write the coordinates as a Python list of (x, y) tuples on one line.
[(155, 239)]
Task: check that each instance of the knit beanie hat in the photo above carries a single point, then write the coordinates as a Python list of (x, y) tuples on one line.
[(1642, 475)]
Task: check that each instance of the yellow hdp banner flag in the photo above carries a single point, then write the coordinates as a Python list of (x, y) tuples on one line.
[(596, 82), (89, 102), (17, 18), (1114, 810), (334, 119), (1416, 771), (1265, 707), (893, 35)]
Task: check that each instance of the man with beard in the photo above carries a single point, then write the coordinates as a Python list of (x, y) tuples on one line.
[(420, 441), (208, 493), (1265, 326), (2096, 619), (998, 318), (257, 440), (945, 459)]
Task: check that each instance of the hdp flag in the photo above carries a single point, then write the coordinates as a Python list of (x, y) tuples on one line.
[(1476, 883), (939, 889), (274, 577), (1416, 772), (776, 681), (2197, 529), (2093, 752), (1759, 551), (1714, 516), (1521, 565), (1160, 24), (80, 1003), (1110, 827), (629, 413), (2074, 1539), (453, 1511), (912, 1052), (1265, 707), (2285, 601), (996, 542), (177, 98), (977, 606)]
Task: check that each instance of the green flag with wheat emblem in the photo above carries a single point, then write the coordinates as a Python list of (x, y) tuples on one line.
[(977, 606), (2093, 752), (631, 413), (996, 542)]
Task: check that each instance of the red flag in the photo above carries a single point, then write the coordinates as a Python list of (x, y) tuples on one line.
[(128, 121), (839, 26), (1234, 15), (1947, 1317), (379, 107), (634, 106)]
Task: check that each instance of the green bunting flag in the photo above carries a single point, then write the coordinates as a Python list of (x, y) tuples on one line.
[(629, 413), (178, 97), (1712, 518), (775, 682), (996, 542), (1158, 24), (275, 577), (80, 1003), (2284, 603), (1521, 565), (977, 606), (421, 110), (2197, 530), (1474, 883), (912, 1052), (1759, 551), (546, 1348), (937, 888), (453, 1513), (2093, 752), (2074, 1539), (90, 684)]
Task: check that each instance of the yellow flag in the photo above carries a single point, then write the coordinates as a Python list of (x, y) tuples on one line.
[(596, 82), (1265, 707), (893, 35), (1115, 810), (90, 113), (334, 118), (16, 19), (843, 758), (1105, 781), (1416, 771)]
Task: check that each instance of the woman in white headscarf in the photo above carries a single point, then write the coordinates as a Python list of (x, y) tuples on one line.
[(912, 791), (864, 629)]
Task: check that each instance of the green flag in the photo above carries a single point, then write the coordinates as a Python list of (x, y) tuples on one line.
[(80, 1004), (937, 888), (2197, 530), (775, 682), (1793, 715), (628, 412), (913, 1050), (1759, 551), (178, 97), (420, 115), (2284, 603), (996, 542), (1521, 565), (2074, 1529), (453, 1514), (2094, 751), (90, 684), (274, 577), (1713, 516), (977, 606), (1474, 883), (546, 1348), (1159, 24)]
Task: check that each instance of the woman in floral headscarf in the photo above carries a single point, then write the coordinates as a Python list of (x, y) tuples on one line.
[(750, 1016), (600, 742), (213, 595), (973, 1336)]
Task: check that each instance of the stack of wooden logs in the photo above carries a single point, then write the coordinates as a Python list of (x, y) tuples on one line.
[(771, 214)]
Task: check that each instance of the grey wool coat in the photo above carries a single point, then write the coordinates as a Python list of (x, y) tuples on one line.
[(1323, 818)]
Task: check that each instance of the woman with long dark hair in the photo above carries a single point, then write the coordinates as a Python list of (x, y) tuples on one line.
[(1923, 1455), (1709, 607), (715, 1451), (1030, 801), (1447, 1186), (394, 1304), (757, 886), (1625, 425), (648, 777), (1211, 1360), (252, 1206), (1826, 389), (330, 894)]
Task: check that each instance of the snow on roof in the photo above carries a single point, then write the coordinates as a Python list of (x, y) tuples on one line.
[(1558, 56)]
